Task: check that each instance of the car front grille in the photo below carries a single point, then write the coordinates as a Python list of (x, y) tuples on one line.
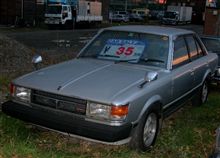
[(59, 102)]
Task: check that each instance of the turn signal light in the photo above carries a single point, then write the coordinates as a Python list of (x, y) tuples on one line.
[(119, 110)]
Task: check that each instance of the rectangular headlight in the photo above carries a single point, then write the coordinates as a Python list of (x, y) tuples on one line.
[(20, 93), (99, 111), (106, 112)]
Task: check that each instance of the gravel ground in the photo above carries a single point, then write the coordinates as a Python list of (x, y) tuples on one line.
[(14, 56)]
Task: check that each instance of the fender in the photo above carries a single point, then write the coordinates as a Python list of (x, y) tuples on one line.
[(150, 102), (207, 75)]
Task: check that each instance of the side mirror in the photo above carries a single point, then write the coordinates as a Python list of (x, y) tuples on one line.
[(36, 60), (149, 77)]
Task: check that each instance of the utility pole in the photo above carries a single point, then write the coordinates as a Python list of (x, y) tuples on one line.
[(217, 29), (22, 9), (218, 21)]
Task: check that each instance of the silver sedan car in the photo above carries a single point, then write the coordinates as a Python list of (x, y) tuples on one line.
[(119, 88)]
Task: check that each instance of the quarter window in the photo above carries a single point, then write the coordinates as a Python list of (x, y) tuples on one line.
[(200, 52), (192, 47), (180, 55)]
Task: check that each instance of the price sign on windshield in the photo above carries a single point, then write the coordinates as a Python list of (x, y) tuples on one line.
[(121, 49)]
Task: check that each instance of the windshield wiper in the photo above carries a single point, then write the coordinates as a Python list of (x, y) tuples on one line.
[(123, 61), (152, 60), (107, 55), (88, 56)]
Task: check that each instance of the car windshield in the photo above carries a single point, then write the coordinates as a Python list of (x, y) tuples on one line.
[(212, 44), (54, 10), (171, 15), (138, 48)]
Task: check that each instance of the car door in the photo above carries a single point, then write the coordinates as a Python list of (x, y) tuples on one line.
[(182, 70), (198, 61)]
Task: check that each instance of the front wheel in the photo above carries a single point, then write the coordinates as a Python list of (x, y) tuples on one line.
[(146, 132)]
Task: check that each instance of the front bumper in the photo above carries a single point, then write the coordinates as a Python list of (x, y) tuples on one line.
[(67, 123), (52, 21)]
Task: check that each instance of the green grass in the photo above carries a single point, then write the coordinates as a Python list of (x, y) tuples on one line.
[(189, 133)]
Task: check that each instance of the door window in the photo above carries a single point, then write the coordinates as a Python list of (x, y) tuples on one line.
[(180, 55), (193, 51), (200, 51)]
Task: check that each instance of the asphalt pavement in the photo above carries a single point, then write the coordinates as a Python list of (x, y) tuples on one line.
[(54, 41)]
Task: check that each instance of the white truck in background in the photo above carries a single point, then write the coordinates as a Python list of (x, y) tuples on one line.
[(69, 13), (177, 15)]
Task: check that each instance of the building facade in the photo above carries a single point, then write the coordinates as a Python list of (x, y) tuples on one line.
[(9, 10), (15, 11)]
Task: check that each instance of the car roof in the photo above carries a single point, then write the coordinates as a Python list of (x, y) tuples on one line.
[(159, 30)]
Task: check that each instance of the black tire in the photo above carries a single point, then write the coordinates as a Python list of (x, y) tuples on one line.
[(145, 134), (202, 95), (218, 84)]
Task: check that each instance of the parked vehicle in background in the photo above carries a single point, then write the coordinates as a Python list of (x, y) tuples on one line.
[(177, 15), (72, 12), (156, 14), (153, 14), (119, 18), (142, 12), (119, 88), (135, 18), (160, 15), (125, 13), (213, 44)]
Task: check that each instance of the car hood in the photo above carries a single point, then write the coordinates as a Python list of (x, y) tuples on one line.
[(89, 79)]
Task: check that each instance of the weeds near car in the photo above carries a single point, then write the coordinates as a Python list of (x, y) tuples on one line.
[(189, 133)]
